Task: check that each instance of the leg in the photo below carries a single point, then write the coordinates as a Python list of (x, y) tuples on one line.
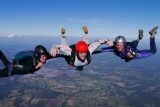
[(64, 41), (3, 73), (7, 64), (79, 68), (147, 53), (4, 59), (140, 36), (153, 32), (85, 38), (153, 48), (134, 43), (63, 37)]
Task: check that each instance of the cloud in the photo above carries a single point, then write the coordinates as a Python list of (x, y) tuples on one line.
[(9, 35)]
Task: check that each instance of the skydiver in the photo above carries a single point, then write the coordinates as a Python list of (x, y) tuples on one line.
[(77, 55), (128, 50), (24, 62)]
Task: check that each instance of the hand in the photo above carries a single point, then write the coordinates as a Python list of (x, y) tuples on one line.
[(39, 65), (130, 54), (102, 41), (110, 43), (54, 51)]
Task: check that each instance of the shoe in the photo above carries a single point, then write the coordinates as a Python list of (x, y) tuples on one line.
[(140, 35), (85, 29), (63, 32), (153, 31)]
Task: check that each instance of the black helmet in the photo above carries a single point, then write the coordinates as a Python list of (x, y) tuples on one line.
[(40, 50), (120, 39)]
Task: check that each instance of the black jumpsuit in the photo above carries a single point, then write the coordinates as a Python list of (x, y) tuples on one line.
[(28, 65)]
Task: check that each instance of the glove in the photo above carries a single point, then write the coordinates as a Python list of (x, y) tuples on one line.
[(131, 54), (54, 51), (103, 41), (109, 43)]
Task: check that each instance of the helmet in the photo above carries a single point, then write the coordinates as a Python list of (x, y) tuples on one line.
[(81, 46), (120, 39), (40, 50)]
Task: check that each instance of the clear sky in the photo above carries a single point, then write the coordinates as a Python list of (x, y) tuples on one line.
[(103, 17)]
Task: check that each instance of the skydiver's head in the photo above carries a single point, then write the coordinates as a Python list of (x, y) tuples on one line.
[(43, 58), (120, 43), (41, 53), (82, 49)]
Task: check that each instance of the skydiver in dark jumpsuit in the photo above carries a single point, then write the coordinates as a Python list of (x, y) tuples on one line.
[(24, 62)]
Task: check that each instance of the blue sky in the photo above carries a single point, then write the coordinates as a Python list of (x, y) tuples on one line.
[(103, 17)]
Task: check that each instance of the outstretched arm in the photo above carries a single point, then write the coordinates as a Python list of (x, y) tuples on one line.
[(49, 56), (95, 45), (60, 50), (110, 48)]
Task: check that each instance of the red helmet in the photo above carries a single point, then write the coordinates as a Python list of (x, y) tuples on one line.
[(81, 46)]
